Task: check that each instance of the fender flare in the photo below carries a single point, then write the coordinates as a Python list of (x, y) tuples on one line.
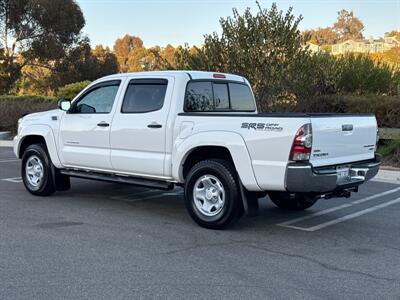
[(46, 132), (230, 140)]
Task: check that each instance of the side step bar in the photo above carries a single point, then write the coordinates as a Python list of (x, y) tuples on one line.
[(156, 184)]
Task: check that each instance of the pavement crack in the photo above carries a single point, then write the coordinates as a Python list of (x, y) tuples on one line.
[(51, 225), (198, 246), (324, 265)]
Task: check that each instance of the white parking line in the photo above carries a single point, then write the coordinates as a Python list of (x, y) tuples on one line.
[(13, 180), (8, 160), (346, 217), (329, 210)]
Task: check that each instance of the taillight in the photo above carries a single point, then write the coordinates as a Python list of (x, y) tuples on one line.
[(302, 144)]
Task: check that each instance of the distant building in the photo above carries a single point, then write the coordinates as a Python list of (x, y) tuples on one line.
[(314, 48), (365, 46)]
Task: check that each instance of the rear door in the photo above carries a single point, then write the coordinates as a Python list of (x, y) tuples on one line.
[(341, 139), (138, 132)]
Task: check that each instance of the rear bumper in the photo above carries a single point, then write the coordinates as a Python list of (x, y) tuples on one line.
[(304, 178)]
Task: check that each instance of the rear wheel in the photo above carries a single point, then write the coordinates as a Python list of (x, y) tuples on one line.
[(212, 194), (293, 201)]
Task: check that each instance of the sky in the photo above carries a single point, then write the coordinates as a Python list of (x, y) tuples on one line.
[(159, 22)]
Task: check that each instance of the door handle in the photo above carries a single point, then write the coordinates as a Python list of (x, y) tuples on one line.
[(154, 125), (103, 124)]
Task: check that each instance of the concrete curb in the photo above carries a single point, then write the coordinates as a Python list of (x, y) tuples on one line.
[(6, 143), (389, 176), (4, 135)]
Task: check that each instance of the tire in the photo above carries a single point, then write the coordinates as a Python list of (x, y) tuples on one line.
[(288, 201), (218, 202), (41, 182)]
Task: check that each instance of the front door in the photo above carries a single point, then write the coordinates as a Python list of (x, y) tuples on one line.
[(85, 128), (138, 131)]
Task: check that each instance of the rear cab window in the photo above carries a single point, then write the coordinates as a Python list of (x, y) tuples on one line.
[(211, 95)]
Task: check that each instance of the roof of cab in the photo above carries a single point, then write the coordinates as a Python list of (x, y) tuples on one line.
[(189, 74)]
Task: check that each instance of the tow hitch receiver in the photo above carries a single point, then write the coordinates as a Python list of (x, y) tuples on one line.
[(346, 193)]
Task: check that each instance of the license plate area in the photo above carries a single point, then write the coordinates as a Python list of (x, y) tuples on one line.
[(343, 174)]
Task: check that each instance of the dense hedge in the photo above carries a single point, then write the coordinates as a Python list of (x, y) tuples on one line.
[(386, 108), (69, 91), (14, 107)]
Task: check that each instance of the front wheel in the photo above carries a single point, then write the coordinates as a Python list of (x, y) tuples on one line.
[(212, 194), (36, 171), (296, 201)]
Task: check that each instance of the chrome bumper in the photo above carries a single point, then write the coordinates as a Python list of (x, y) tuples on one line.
[(304, 178)]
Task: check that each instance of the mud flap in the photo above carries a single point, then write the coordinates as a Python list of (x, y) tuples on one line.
[(61, 182), (250, 202)]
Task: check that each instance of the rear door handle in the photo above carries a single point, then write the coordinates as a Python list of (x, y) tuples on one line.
[(103, 124), (154, 125)]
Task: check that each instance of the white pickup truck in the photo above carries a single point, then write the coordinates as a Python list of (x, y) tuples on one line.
[(202, 131)]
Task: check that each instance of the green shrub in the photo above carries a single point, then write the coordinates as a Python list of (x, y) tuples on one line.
[(361, 75), (325, 74), (69, 91), (388, 147), (26, 98), (390, 151), (14, 107)]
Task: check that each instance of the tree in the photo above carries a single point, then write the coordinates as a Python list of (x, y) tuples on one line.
[(394, 33), (34, 80), (82, 63), (265, 48), (348, 26), (321, 36), (138, 60), (168, 56), (106, 61), (35, 32), (123, 48)]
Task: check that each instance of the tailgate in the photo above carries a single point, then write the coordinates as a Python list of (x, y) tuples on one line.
[(339, 139)]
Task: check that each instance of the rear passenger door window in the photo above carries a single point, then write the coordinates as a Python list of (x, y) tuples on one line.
[(144, 95)]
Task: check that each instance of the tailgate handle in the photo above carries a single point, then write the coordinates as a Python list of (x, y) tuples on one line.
[(347, 127)]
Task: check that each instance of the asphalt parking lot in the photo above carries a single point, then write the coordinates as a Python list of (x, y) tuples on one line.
[(108, 241)]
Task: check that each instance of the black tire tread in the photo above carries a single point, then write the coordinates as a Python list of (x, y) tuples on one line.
[(229, 171), (49, 186)]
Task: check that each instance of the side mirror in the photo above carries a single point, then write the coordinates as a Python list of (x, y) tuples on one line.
[(64, 104)]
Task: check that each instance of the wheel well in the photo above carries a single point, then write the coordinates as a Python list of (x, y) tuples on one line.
[(205, 152), (30, 140)]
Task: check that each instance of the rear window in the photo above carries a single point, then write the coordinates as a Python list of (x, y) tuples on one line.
[(221, 96), (218, 96), (241, 97), (199, 96)]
